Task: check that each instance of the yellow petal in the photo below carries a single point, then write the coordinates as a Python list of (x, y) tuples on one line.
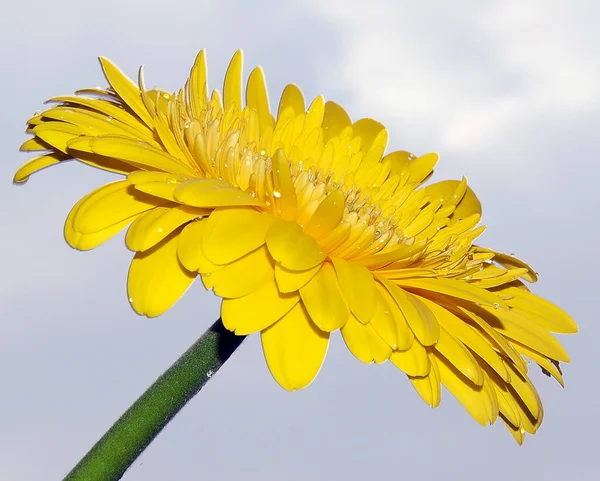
[(189, 250), (455, 288), (469, 336), (232, 88), (257, 98), (527, 332), (404, 335), (245, 275), (284, 192), (138, 154), (459, 356), (291, 98), (126, 89), (212, 193), (358, 288), (324, 301), (420, 319), (293, 248), (470, 396), (291, 281), (104, 212), (510, 261), (422, 167), (153, 226), (157, 279), (524, 391), (294, 349), (540, 311), (197, 89), (367, 130), (335, 120), (428, 387), (414, 361), (233, 232), (384, 322), (327, 216), (36, 164), (362, 341), (256, 311), (158, 184), (468, 203)]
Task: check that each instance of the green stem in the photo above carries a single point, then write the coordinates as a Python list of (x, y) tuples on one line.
[(110, 457)]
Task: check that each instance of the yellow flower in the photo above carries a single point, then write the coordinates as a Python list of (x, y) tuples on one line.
[(303, 226)]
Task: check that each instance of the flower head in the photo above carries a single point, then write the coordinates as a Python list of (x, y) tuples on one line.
[(303, 225)]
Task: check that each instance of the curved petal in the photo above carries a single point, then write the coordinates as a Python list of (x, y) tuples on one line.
[(233, 232), (362, 341), (232, 87), (258, 310), (258, 99), (335, 119), (291, 98), (104, 212), (323, 299), (157, 279), (428, 387), (294, 349), (293, 248), (245, 275), (420, 319), (358, 288), (414, 361), (212, 193), (154, 225), (291, 281)]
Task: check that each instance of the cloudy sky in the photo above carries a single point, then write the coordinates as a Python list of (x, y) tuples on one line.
[(509, 95)]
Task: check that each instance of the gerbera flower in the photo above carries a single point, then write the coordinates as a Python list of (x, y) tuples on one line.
[(303, 226)]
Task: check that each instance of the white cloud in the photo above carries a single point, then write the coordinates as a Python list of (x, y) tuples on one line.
[(459, 77)]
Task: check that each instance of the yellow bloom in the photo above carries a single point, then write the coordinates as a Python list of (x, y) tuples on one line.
[(303, 226)]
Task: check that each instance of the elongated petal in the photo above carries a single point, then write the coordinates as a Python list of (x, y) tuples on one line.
[(139, 154), (232, 233), (414, 361), (327, 216), (294, 349), (291, 98), (245, 275), (358, 288), (189, 250), (459, 356), (212, 193), (324, 301), (470, 396), (428, 387), (104, 212), (157, 279), (232, 88), (258, 310), (420, 319), (292, 247), (153, 226), (460, 290), (362, 341), (36, 164)]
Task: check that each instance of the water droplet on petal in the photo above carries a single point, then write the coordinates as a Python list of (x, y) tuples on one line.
[(210, 373), (159, 229), (109, 118), (512, 254), (131, 300), (276, 194), (496, 305)]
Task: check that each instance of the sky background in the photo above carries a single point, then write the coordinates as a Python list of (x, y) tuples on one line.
[(507, 92)]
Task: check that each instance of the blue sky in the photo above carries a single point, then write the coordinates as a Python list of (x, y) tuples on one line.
[(508, 93)]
